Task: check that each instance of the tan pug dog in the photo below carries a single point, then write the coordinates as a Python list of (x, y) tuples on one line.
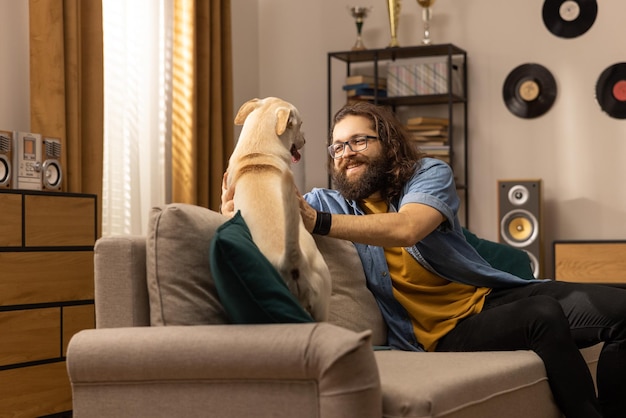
[(260, 179)]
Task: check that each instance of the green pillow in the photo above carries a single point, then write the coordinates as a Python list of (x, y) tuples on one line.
[(249, 287), (502, 257)]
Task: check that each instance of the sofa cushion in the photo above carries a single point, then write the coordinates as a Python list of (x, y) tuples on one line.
[(249, 286), (464, 385), (352, 305), (180, 288), (469, 384)]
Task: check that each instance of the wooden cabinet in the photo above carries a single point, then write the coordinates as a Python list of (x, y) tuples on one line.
[(46, 295), (450, 101), (601, 262)]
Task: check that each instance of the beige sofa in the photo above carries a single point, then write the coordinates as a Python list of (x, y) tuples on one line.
[(162, 347)]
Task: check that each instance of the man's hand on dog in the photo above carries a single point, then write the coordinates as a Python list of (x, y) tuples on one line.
[(309, 215), (227, 207)]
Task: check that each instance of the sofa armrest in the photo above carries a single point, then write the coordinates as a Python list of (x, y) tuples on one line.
[(121, 292), (278, 370)]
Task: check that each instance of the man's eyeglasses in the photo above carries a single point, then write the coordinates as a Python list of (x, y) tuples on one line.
[(356, 144)]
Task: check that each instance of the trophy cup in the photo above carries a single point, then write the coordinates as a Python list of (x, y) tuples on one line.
[(393, 7), (359, 13), (426, 16)]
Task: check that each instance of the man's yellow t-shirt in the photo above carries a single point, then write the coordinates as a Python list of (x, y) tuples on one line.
[(434, 304)]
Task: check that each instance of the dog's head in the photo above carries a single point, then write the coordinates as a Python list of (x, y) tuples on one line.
[(286, 119)]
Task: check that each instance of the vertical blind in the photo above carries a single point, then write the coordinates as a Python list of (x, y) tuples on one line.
[(137, 111)]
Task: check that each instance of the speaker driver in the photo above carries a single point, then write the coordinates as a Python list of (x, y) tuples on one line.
[(52, 174), (5, 171), (518, 195), (519, 228), (534, 264)]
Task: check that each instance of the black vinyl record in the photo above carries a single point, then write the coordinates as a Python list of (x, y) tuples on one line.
[(611, 90), (569, 18), (529, 90)]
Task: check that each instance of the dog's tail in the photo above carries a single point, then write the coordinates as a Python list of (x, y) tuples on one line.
[(293, 252)]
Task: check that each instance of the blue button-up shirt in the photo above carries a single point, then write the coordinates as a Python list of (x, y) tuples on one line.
[(445, 251)]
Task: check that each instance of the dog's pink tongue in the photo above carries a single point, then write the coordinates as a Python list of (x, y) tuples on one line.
[(295, 155)]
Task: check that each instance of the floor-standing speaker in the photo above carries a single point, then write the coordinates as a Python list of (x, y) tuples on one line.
[(520, 218)]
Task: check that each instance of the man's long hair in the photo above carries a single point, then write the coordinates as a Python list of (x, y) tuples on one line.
[(400, 151)]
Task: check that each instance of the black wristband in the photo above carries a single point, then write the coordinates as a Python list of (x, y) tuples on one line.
[(322, 223)]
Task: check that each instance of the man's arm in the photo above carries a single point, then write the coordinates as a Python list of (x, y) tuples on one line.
[(412, 223)]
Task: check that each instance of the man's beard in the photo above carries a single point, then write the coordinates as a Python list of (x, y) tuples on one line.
[(373, 179)]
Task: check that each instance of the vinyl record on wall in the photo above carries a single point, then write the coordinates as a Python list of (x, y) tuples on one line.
[(529, 90), (611, 90), (569, 18)]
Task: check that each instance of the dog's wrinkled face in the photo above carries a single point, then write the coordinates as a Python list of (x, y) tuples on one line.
[(287, 119)]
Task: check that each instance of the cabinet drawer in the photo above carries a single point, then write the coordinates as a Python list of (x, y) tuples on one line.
[(11, 220), (77, 318), (35, 391), (42, 277), (59, 221), (30, 335)]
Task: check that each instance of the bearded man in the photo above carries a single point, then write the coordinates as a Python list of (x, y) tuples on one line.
[(436, 293)]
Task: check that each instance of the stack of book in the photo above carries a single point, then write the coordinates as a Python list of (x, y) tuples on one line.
[(365, 87), (430, 135)]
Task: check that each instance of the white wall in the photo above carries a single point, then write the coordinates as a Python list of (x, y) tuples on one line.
[(577, 150), (14, 67), (281, 50)]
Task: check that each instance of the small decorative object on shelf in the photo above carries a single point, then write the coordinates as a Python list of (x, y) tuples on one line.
[(426, 16), (359, 13), (393, 7)]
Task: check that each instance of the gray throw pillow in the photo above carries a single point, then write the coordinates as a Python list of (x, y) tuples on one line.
[(180, 287)]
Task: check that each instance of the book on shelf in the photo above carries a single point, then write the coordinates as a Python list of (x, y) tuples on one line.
[(430, 141), (435, 149), (362, 86), (366, 79), (426, 127), (435, 135), (424, 120), (442, 153), (430, 133), (369, 92)]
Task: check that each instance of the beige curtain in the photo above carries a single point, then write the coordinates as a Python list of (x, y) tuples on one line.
[(67, 93), (66, 82), (202, 119)]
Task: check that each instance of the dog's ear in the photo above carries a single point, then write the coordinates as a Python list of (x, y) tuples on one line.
[(245, 110), (283, 119)]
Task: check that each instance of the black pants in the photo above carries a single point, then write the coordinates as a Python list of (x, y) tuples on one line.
[(555, 319)]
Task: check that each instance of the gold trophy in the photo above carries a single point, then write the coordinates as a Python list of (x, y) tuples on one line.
[(359, 13), (426, 16), (393, 7)]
